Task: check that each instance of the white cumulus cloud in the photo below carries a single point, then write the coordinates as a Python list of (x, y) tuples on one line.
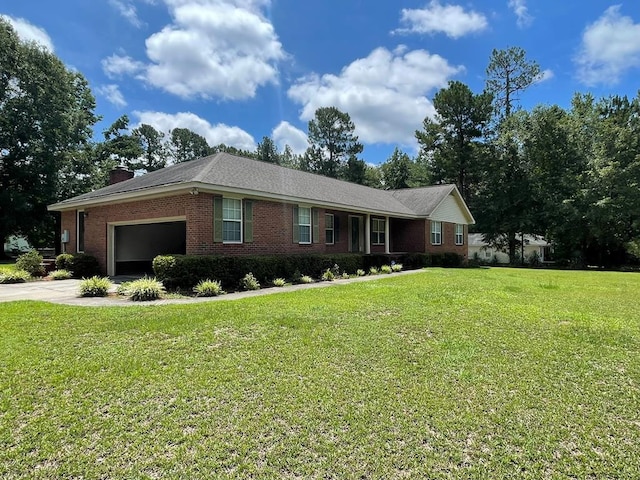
[(610, 46), (113, 94), (451, 20), (29, 32), (215, 134), (286, 134), (212, 49), (116, 66), (521, 10), (384, 93)]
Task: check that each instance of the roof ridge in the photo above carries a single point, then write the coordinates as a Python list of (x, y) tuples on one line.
[(208, 165)]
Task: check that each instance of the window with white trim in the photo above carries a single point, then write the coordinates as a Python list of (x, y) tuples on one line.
[(377, 231), (231, 220), (80, 231), (436, 233), (329, 228), (459, 234), (304, 224)]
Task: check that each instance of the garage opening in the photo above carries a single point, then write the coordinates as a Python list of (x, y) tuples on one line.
[(137, 245)]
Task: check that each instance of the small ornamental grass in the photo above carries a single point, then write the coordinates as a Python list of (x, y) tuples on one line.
[(396, 267), (305, 279), (60, 275), (345, 276), (360, 273), (328, 275), (279, 282), (123, 289), (145, 289), (385, 269), (208, 288), (15, 276), (373, 271), (95, 287), (249, 282)]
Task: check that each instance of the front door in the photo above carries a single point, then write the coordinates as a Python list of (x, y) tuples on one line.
[(355, 234)]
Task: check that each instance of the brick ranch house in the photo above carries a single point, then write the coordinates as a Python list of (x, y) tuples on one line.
[(229, 205)]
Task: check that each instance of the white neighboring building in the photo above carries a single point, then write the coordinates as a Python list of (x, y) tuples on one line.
[(485, 253), (16, 244)]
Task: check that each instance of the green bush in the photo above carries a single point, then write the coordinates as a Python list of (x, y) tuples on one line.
[(385, 269), (60, 275), (279, 282), (84, 265), (208, 288), (396, 267), (95, 287), (145, 289), (185, 271), (15, 276), (360, 273), (64, 261), (249, 282), (163, 265), (31, 262), (373, 271), (305, 279)]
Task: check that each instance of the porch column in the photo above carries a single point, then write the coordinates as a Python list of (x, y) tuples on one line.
[(386, 236), (367, 234)]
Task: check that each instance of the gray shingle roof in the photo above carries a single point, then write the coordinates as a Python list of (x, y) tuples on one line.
[(225, 171)]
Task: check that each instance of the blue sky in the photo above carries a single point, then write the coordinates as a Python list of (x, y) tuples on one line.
[(235, 70)]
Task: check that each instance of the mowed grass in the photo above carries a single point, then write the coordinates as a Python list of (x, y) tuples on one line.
[(485, 373)]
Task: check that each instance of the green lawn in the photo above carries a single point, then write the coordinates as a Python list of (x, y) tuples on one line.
[(7, 265), (485, 373)]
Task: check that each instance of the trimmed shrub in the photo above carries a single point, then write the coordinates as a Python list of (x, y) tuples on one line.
[(385, 269), (163, 265), (145, 289), (60, 275), (208, 288), (64, 261), (15, 276), (279, 282), (31, 262), (84, 265), (249, 282), (396, 267), (95, 287)]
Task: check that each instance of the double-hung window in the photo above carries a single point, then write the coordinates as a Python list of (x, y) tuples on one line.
[(231, 220), (436, 233), (377, 231), (459, 234), (304, 224), (329, 229)]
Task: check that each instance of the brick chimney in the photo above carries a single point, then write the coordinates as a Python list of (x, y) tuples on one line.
[(119, 174)]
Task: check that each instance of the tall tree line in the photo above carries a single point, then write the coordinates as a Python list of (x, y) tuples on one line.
[(572, 175)]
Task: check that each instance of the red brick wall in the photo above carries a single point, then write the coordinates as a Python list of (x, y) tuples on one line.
[(448, 240), (407, 235)]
